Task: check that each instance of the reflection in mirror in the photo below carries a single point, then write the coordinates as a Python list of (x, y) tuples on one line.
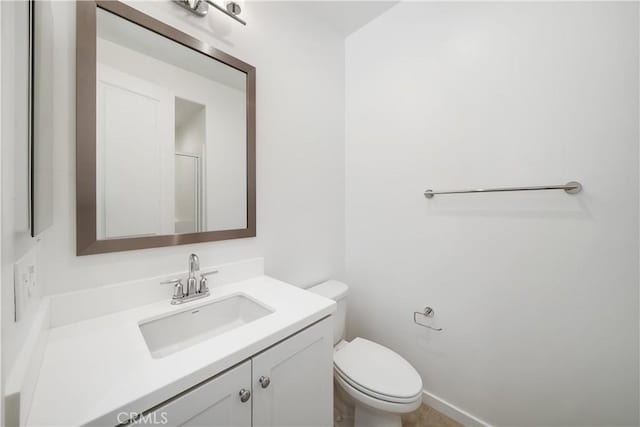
[(43, 102), (17, 23), (190, 131), (171, 136)]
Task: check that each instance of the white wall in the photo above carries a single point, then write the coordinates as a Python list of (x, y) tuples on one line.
[(300, 151), (190, 135), (16, 240), (2, 308), (537, 292)]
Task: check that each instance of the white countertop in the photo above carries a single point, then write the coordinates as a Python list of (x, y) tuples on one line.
[(94, 369)]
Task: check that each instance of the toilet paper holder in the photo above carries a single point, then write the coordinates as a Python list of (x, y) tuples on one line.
[(420, 317)]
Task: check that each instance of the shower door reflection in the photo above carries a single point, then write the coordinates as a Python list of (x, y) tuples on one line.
[(188, 218)]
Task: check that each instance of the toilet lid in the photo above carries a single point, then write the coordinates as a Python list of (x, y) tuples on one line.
[(378, 369)]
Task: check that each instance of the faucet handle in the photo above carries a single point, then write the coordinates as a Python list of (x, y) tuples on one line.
[(178, 290), (208, 273), (203, 281)]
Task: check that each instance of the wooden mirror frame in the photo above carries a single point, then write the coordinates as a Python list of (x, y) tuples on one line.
[(87, 242)]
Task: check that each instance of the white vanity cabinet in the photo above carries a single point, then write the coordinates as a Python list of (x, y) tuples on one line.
[(213, 404), (288, 384), (293, 380)]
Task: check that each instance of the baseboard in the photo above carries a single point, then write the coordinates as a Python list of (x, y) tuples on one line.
[(452, 411)]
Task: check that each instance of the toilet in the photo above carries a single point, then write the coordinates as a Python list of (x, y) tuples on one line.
[(381, 383)]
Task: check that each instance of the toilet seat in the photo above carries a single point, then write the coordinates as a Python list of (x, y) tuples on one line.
[(377, 373), (375, 403), (370, 393)]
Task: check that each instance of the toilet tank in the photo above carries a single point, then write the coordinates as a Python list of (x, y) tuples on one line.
[(336, 291)]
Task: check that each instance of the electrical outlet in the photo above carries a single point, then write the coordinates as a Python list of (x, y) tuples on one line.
[(25, 282)]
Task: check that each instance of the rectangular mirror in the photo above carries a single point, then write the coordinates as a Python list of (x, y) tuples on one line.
[(165, 135)]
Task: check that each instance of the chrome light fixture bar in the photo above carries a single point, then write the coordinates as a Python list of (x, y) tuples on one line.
[(201, 8)]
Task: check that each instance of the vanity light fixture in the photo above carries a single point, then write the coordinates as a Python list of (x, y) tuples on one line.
[(201, 8)]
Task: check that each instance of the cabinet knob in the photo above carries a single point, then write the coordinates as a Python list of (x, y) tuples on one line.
[(264, 381), (244, 395)]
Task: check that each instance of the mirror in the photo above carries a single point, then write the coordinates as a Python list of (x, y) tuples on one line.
[(168, 155), (42, 115), (17, 106)]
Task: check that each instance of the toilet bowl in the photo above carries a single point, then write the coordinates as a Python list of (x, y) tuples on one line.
[(381, 384)]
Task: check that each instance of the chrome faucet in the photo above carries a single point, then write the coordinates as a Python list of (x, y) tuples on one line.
[(195, 289), (192, 282)]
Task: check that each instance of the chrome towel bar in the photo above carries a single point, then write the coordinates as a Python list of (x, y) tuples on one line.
[(572, 187)]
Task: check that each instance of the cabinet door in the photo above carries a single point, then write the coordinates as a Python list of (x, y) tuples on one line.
[(216, 403), (299, 372)]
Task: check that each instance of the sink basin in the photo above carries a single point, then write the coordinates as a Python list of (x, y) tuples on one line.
[(177, 331)]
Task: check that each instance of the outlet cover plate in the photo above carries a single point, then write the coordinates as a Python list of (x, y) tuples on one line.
[(25, 282)]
